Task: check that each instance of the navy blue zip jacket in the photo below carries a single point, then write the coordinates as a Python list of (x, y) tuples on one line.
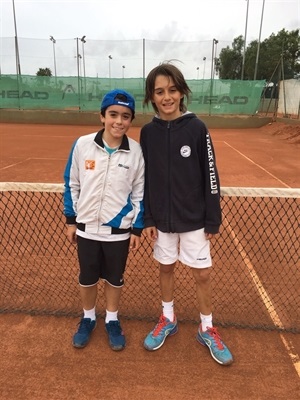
[(182, 188)]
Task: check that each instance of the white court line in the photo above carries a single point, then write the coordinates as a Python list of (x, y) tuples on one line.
[(13, 165), (265, 299), (54, 136), (46, 158), (32, 158), (257, 165)]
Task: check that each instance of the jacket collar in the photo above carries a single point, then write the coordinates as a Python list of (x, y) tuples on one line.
[(186, 116), (99, 141)]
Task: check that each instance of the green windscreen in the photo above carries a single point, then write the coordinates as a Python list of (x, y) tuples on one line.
[(84, 94)]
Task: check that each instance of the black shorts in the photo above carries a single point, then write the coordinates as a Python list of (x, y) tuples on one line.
[(102, 260)]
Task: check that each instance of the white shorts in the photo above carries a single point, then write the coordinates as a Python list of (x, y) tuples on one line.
[(191, 248)]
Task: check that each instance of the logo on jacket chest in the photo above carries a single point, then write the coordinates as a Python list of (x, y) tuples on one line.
[(90, 164), (185, 151)]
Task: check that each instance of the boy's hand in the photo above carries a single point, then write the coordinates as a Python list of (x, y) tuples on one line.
[(134, 243), (151, 233), (71, 233), (209, 235)]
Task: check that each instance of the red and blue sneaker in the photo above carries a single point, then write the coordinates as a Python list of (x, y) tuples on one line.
[(218, 350), (156, 338)]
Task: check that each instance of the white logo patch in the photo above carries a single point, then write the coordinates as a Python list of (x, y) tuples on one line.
[(185, 151)]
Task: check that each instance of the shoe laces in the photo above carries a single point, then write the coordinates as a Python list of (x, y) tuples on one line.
[(115, 328), (84, 325), (162, 322), (213, 332)]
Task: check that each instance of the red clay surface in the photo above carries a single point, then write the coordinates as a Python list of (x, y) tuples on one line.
[(264, 157), (37, 358)]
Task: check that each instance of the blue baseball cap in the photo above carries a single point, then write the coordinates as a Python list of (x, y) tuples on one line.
[(118, 97)]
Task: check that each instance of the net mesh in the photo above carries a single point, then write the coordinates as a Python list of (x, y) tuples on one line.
[(255, 275)]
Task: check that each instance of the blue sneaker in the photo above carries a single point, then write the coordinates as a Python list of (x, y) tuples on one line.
[(116, 336), (156, 338), (218, 350), (83, 334)]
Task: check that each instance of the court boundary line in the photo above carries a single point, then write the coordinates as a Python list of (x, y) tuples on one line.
[(32, 159), (13, 165), (263, 294), (257, 165)]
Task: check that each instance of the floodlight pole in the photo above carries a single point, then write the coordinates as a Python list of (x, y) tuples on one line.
[(144, 69), (123, 74), (258, 45), (212, 73), (83, 60), (244, 52), (16, 42), (78, 70), (204, 61), (109, 72), (215, 57), (53, 42)]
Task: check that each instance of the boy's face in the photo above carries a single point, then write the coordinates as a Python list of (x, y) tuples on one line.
[(167, 98), (117, 121)]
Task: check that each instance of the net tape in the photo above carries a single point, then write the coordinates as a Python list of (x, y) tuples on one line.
[(225, 191)]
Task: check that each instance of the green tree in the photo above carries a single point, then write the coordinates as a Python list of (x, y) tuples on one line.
[(279, 57), (229, 63), (44, 72)]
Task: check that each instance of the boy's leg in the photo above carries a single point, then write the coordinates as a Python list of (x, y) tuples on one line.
[(112, 296), (88, 296), (203, 289), (165, 326), (88, 322), (113, 328), (88, 254), (195, 252), (116, 254), (209, 337), (166, 278)]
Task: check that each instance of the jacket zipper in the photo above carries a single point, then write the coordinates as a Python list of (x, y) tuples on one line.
[(169, 176), (104, 189)]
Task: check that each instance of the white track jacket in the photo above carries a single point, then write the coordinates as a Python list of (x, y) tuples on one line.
[(103, 192)]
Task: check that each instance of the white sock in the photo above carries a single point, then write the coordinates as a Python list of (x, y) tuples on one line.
[(111, 316), (206, 321), (90, 314), (168, 310)]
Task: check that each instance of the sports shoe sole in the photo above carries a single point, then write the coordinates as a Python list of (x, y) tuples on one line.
[(171, 333), (117, 348), (202, 342)]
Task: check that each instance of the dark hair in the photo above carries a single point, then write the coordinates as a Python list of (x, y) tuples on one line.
[(169, 70)]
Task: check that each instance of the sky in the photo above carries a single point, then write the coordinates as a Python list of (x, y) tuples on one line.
[(165, 22)]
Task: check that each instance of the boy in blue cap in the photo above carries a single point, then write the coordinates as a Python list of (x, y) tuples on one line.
[(103, 206)]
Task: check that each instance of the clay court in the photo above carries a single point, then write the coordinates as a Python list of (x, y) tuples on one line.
[(38, 360)]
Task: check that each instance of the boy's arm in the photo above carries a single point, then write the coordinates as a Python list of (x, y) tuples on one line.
[(213, 216), (148, 220), (72, 187), (137, 198)]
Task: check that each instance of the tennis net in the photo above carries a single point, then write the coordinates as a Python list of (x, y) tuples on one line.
[(255, 274)]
